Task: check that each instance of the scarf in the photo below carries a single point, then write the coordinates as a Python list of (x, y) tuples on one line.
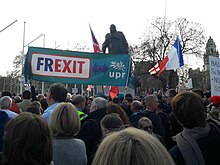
[(186, 141)]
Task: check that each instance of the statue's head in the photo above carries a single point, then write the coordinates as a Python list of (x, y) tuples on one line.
[(112, 28)]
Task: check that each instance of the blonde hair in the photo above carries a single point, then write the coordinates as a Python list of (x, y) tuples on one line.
[(131, 146), (64, 120)]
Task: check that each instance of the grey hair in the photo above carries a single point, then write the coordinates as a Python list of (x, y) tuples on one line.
[(136, 105), (5, 102), (78, 99), (150, 98), (100, 102)]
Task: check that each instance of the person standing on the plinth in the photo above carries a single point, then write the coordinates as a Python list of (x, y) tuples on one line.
[(115, 41)]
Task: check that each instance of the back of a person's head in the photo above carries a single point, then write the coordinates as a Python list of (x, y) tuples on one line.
[(159, 96), (5, 102), (100, 102), (128, 95), (199, 92), (207, 94), (171, 92), (115, 108), (136, 106), (145, 124), (78, 99), (129, 99), (131, 146), (150, 98), (6, 93), (35, 109), (110, 123), (44, 104), (68, 97), (40, 97), (116, 100), (36, 103), (58, 92), (64, 120), (120, 96), (189, 109), (26, 94), (27, 140), (17, 99)]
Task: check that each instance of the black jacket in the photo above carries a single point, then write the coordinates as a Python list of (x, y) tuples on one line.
[(3, 121), (90, 132)]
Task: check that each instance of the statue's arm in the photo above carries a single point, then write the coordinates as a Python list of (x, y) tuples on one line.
[(104, 46), (106, 43)]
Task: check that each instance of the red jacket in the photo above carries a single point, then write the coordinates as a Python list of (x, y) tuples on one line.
[(14, 107)]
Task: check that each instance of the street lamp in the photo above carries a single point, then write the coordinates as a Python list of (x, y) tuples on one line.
[(8, 26), (22, 56)]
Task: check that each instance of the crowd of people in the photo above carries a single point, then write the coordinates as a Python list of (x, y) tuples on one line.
[(63, 129)]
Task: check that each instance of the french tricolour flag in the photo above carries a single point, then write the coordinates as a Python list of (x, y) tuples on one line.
[(173, 60)]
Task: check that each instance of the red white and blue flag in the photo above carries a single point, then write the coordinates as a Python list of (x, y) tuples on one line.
[(96, 50), (173, 60), (94, 42)]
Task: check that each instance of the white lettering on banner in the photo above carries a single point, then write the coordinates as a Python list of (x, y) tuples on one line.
[(214, 64), (60, 66), (116, 75), (118, 66)]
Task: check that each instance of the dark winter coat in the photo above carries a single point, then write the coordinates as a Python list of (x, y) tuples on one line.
[(3, 121), (90, 132)]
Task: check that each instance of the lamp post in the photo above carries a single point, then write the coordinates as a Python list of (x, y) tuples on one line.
[(22, 55), (42, 84), (22, 60), (8, 26)]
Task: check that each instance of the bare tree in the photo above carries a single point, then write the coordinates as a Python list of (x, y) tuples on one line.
[(160, 36), (191, 35)]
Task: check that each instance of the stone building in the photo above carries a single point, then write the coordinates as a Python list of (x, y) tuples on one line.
[(201, 79), (210, 50)]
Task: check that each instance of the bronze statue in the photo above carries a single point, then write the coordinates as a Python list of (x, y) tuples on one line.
[(115, 41)]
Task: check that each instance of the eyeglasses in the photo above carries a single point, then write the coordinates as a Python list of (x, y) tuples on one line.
[(147, 128)]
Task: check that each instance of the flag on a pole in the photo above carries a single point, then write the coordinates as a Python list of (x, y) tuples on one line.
[(173, 60), (113, 92), (155, 69), (96, 50), (89, 88), (95, 42)]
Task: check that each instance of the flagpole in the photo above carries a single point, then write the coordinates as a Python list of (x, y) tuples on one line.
[(163, 31), (22, 58), (165, 14), (75, 88), (82, 89), (129, 69), (96, 50), (42, 84), (88, 93), (93, 91)]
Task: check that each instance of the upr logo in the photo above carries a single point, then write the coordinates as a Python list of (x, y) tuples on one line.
[(119, 70)]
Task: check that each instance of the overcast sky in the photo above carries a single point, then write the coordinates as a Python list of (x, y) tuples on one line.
[(66, 22)]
